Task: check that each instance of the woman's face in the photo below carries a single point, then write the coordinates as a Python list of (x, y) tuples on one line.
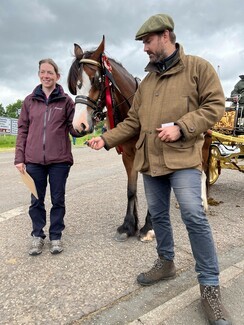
[(48, 76)]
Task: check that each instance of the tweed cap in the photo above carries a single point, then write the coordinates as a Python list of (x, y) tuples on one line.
[(155, 24)]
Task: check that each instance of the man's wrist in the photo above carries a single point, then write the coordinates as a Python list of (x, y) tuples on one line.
[(181, 132)]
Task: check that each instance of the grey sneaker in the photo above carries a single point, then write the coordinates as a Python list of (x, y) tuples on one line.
[(161, 270), (56, 246), (36, 246)]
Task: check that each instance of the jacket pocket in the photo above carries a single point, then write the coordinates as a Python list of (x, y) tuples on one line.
[(180, 144), (141, 157), (182, 154)]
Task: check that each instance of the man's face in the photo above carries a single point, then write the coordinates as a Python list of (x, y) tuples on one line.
[(154, 46)]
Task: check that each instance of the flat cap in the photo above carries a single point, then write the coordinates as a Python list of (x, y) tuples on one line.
[(155, 24), (241, 76)]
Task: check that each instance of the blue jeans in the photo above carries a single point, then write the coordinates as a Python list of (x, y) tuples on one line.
[(187, 188), (57, 175)]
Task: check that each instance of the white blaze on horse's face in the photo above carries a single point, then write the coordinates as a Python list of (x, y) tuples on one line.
[(82, 120)]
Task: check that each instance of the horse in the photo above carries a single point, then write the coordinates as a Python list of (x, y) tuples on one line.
[(99, 82), (105, 89)]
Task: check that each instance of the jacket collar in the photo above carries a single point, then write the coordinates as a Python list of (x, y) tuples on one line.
[(168, 63), (56, 94)]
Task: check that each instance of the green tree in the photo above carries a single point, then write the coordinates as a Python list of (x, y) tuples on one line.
[(2, 111), (12, 110)]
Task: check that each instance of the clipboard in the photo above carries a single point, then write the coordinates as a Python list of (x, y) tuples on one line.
[(29, 182)]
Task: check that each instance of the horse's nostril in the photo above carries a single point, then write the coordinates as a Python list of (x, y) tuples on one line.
[(83, 126)]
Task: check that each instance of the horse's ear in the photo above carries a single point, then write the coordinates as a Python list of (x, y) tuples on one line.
[(97, 54), (78, 51)]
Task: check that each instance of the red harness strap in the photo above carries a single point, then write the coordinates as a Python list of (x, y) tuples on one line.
[(109, 101)]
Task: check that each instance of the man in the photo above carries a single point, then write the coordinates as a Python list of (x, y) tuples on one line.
[(179, 99), (239, 91)]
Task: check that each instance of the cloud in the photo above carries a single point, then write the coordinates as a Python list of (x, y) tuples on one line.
[(34, 29)]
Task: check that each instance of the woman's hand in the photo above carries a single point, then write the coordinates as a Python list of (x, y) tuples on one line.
[(21, 167)]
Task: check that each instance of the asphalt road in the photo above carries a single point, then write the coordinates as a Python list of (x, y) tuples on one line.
[(93, 280)]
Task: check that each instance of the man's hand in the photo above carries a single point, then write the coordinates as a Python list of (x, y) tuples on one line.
[(96, 143), (169, 133)]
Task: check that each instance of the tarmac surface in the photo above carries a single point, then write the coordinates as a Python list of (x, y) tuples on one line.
[(93, 281)]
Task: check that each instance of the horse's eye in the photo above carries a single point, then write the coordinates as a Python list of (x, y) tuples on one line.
[(96, 81), (79, 84)]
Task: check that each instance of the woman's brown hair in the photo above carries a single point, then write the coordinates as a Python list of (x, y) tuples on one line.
[(50, 61)]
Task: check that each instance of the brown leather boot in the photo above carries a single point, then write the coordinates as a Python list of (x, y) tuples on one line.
[(212, 305), (161, 270)]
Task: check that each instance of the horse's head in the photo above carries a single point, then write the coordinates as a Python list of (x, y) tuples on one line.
[(85, 81)]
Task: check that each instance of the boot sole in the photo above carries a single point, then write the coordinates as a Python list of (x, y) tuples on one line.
[(55, 252), (35, 253), (151, 283)]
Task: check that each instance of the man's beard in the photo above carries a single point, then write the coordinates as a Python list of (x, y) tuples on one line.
[(157, 57)]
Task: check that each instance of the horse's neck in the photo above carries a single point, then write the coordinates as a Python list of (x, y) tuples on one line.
[(124, 81)]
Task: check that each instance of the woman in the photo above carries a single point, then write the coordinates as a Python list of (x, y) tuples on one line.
[(43, 148)]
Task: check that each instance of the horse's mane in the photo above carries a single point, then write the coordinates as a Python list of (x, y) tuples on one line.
[(118, 64), (74, 71), (73, 76)]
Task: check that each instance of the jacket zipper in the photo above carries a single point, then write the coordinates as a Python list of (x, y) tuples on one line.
[(44, 133), (49, 114)]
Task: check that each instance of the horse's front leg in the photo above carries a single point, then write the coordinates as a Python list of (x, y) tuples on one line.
[(146, 233), (130, 225)]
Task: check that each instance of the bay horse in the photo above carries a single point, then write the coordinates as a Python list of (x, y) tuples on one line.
[(99, 82)]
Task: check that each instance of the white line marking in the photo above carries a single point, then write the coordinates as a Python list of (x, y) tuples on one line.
[(13, 213)]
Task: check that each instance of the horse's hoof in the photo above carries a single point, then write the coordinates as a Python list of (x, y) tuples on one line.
[(121, 237), (148, 237)]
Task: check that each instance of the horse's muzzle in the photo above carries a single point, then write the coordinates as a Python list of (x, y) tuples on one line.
[(83, 131)]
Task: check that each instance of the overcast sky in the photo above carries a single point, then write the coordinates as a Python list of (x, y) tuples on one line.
[(31, 30)]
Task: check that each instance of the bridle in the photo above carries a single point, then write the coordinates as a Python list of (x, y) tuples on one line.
[(97, 105)]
